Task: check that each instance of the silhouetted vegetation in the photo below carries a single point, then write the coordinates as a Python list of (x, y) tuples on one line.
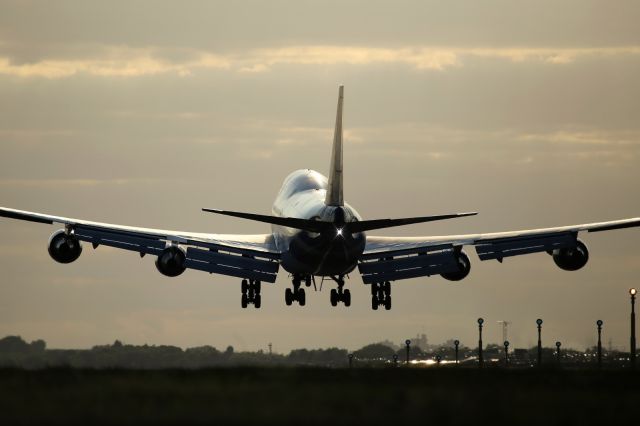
[(15, 352)]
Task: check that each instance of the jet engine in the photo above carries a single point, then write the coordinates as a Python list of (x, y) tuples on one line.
[(464, 267), (63, 247), (171, 261), (571, 258)]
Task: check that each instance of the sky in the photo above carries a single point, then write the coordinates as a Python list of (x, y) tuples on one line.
[(141, 113)]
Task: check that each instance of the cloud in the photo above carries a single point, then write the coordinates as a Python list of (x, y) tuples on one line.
[(75, 183), (112, 62), (583, 137), (136, 62)]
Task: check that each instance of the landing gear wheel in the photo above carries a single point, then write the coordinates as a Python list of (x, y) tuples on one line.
[(374, 289), (244, 286), (256, 286), (307, 281), (288, 297), (302, 299), (387, 303), (381, 295), (334, 297), (244, 301), (257, 301), (346, 298)]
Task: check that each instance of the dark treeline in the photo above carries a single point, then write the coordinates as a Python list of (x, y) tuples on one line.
[(15, 352)]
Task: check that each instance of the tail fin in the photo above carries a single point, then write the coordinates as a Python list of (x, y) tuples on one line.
[(335, 195)]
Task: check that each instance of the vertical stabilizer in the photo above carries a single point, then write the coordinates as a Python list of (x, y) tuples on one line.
[(334, 191)]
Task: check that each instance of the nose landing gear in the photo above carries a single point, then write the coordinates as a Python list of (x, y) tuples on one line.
[(381, 295), (340, 295), (251, 294)]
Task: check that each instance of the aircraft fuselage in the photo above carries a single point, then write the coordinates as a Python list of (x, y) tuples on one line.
[(331, 252)]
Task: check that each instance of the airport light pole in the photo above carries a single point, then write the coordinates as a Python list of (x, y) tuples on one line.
[(506, 353), (632, 357), (480, 359), (539, 322), (395, 360), (599, 324), (558, 344), (350, 360), (456, 343), (408, 344)]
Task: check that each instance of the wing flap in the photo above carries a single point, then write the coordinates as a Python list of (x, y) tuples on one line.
[(406, 264), (119, 240), (505, 247), (226, 270), (242, 266)]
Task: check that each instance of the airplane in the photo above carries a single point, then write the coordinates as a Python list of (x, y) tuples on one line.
[(315, 233)]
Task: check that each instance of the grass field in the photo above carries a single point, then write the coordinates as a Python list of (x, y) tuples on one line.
[(318, 396)]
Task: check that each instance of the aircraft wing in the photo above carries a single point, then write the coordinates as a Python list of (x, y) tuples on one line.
[(395, 258), (245, 256)]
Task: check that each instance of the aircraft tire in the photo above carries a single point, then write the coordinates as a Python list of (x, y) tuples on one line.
[(288, 297), (334, 297), (346, 298), (244, 301), (302, 297), (387, 303), (374, 303), (257, 301)]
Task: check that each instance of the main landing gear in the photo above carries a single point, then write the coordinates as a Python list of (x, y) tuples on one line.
[(251, 293), (297, 293), (381, 295), (340, 295)]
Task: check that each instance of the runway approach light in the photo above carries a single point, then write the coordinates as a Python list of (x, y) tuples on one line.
[(632, 291)]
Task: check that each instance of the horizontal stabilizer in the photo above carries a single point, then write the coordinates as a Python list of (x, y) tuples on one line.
[(352, 227), (368, 225), (290, 222)]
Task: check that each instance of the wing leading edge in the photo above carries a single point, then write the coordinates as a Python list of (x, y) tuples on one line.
[(395, 258), (246, 256)]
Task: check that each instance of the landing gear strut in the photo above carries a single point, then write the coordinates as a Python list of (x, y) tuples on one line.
[(251, 293), (297, 293), (340, 295), (381, 295)]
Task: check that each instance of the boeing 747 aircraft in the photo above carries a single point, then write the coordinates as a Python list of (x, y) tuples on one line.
[(314, 233)]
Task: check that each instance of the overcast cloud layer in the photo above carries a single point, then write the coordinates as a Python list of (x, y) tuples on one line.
[(142, 113)]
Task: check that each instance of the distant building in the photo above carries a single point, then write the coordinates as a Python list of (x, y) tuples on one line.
[(520, 356), (420, 341)]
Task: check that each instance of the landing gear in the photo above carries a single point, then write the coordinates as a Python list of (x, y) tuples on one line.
[(297, 293), (381, 295), (250, 294), (340, 295)]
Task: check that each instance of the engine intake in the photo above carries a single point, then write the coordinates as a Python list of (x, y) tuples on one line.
[(571, 258), (464, 267), (63, 247), (171, 261)]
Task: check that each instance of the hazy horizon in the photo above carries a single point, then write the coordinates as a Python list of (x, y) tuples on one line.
[(143, 113)]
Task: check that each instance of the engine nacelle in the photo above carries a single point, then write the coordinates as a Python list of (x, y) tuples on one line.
[(571, 258), (464, 267), (171, 261), (63, 247)]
